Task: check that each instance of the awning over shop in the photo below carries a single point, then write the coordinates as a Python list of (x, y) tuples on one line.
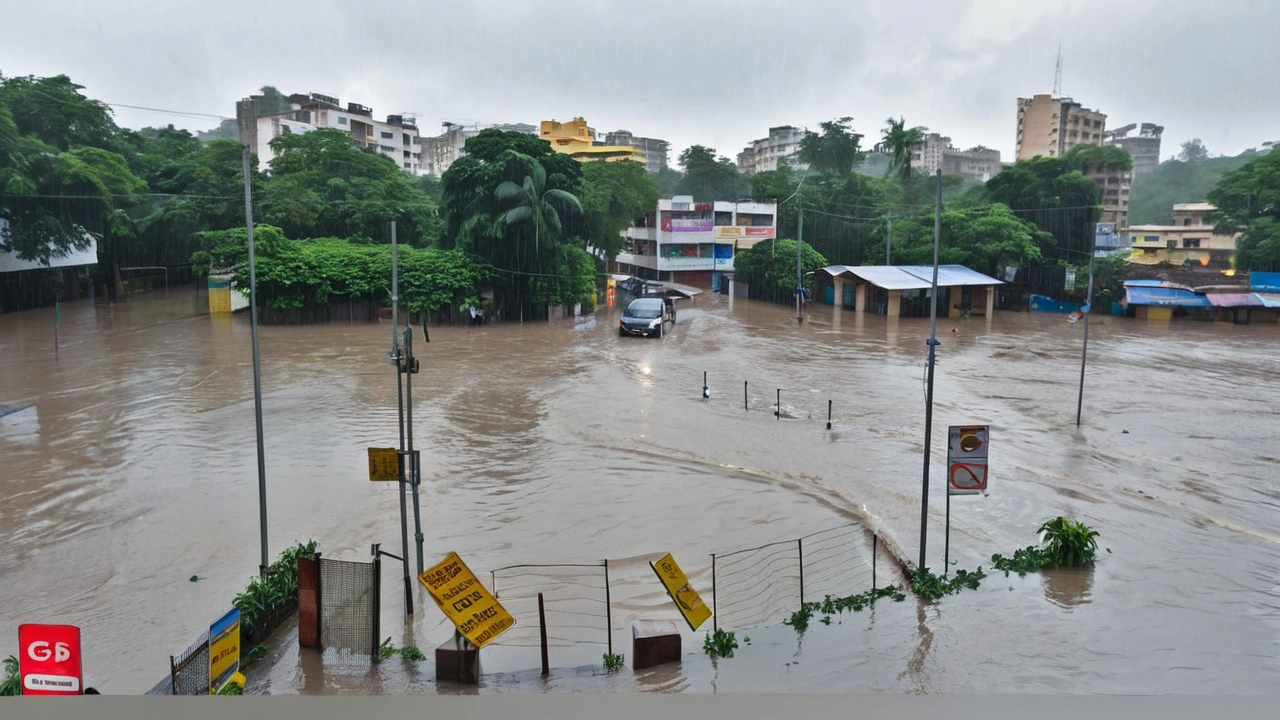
[(1234, 300), (1135, 294)]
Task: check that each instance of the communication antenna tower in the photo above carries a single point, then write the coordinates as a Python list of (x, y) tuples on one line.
[(1057, 74)]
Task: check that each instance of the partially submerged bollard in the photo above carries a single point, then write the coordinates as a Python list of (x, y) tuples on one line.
[(458, 661)]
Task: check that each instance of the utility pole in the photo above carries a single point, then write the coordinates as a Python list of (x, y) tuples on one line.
[(411, 369), (799, 247), (888, 241), (933, 343), (257, 366), (1088, 307), (397, 357)]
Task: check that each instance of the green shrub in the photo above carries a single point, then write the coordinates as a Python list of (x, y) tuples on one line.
[(1068, 542), (12, 684), (721, 643), (612, 662)]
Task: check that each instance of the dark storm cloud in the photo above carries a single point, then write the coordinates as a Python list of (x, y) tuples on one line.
[(713, 72)]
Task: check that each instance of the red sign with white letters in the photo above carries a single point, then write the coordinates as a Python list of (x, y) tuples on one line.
[(49, 659)]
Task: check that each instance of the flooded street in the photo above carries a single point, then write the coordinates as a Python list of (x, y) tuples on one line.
[(134, 469)]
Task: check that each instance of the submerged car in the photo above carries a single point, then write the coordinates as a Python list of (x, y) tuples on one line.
[(647, 316)]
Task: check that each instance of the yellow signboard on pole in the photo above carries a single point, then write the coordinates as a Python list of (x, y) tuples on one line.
[(384, 464), (465, 601), (695, 611), (224, 650)]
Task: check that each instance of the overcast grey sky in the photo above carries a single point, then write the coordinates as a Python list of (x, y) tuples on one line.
[(712, 72)]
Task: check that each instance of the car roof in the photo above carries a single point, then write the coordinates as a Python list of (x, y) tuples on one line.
[(643, 302)]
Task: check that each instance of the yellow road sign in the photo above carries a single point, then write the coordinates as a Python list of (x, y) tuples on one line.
[(687, 599), (465, 601), (384, 464)]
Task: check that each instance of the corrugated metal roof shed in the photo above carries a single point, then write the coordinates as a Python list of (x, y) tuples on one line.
[(951, 275), (913, 277), (1269, 299), (1233, 300)]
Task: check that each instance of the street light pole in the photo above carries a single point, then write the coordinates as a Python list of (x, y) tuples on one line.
[(1088, 307), (799, 247), (933, 343), (257, 366)]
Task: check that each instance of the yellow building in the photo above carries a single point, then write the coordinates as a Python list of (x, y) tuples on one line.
[(1188, 241), (578, 141)]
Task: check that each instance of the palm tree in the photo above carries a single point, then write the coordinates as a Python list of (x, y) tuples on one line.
[(535, 202), (896, 141)]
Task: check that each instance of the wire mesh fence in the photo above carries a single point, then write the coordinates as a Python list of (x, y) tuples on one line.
[(189, 670), (575, 604), (349, 608)]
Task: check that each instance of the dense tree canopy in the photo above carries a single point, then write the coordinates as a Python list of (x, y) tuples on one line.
[(708, 177), (1248, 202), (614, 195), (1056, 197), (835, 151)]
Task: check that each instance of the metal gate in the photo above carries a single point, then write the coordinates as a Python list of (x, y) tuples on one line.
[(349, 607), (189, 671)]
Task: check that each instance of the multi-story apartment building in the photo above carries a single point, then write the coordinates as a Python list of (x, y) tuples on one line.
[(934, 152), (441, 151), (655, 151), (1050, 126), (692, 242), (783, 142), (1143, 148), (396, 138), (1189, 240), (578, 140)]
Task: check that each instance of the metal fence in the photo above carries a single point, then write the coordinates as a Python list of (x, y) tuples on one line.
[(764, 584), (575, 604), (189, 671), (349, 609)]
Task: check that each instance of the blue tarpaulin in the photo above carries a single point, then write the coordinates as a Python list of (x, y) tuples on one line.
[(1163, 296), (1264, 281)]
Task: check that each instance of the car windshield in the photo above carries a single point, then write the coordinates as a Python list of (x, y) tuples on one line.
[(644, 312)]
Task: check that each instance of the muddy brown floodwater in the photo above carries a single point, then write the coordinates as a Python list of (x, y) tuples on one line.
[(134, 468)]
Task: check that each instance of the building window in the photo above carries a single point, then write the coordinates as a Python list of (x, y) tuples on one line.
[(1191, 242), (387, 136), (342, 120)]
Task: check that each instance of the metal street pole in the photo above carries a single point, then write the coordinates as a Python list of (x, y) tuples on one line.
[(933, 343), (799, 246), (888, 242), (411, 368), (1088, 307), (398, 358), (257, 366)]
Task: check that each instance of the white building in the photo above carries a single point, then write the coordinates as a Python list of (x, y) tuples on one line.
[(763, 154), (935, 152), (690, 242), (441, 151), (396, 138)]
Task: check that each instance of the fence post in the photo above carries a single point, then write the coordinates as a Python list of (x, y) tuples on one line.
[(542, 634), (800, 550), (745, 406), (319, 603), (608, 607), (173, 676), (377, 604), (828, 414), (778, 410), (715, 625), (875, 542)]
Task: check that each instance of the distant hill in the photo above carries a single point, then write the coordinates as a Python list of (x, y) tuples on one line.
[(1153, 196)]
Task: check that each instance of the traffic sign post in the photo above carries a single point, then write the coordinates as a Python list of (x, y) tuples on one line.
[(966, 470), (49, 659)]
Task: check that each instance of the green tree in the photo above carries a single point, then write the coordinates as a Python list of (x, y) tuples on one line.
[(1248, 201), (708, 177), (476, 219), (613, 195), (535, 203), (1057, 198), (770, 268), (323, 185), (1193, 151), (668, 180), (896, 140), (1176, 181), (835, 151), (983, 238)]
